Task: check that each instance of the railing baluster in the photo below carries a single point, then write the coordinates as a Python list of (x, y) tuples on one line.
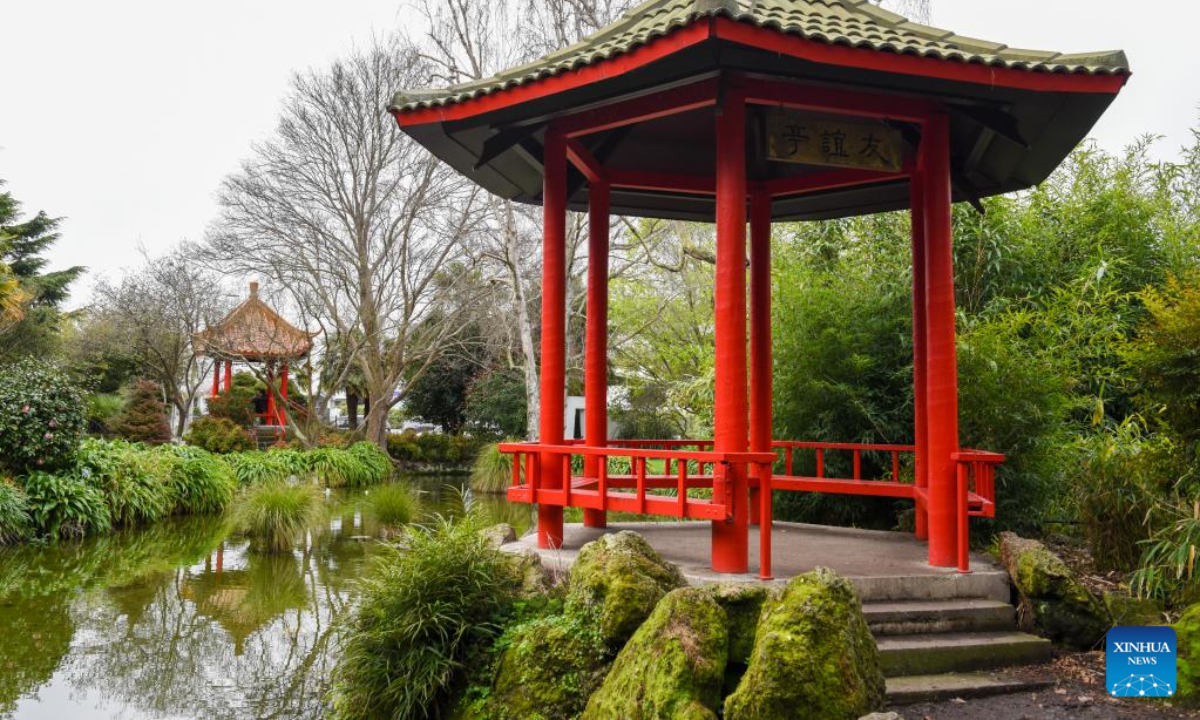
[(764, 521), (568, 479), (681, 472), (963, 550), (858, 465), (604, 484), (788, 454), (820, 463), (895, 466), (516, 473), (640, 469)]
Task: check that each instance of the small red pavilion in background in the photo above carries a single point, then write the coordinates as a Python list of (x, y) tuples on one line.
[(736, 111), (253, 333)]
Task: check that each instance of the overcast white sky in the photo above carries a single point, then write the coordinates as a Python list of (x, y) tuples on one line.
[(123, 116)]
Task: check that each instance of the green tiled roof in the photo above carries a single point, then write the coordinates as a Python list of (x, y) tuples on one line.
[(853, 23)]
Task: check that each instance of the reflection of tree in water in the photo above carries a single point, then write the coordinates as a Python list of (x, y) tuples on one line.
[(34, 637), (252, 638)]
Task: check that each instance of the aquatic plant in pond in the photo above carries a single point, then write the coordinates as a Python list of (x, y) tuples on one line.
[(65, 506), (14, 512), (275, 515), (425, 602), (492, 471), (393, 505)]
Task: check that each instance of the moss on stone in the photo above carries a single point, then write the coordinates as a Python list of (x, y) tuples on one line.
[(812, 650), (1131, 611), (1187, 667), (743, 604), (622, 578), (547, 668), (673, 666), (1053, 602)]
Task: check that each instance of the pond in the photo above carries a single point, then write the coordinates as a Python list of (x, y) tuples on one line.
[(181, 620)]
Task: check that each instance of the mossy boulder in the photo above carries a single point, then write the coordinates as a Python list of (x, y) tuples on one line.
[(1187, 664), (673, 666), (527, 566), (1053, 602), (813, 653), (499, 534), (1131, 611), (621, 578), (743, 605), (548, 668)]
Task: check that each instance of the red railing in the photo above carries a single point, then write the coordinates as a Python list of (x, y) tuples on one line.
[(652, 477)]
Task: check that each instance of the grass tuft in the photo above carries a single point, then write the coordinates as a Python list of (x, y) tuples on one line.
[(14, 513), (393, 505), (275, 515), (492, 472), (425, 602)]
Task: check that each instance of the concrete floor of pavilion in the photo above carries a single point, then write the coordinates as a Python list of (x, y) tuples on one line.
[(882, 565)]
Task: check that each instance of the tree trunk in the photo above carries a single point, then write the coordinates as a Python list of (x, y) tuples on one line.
[(352, 410), (377, 430)]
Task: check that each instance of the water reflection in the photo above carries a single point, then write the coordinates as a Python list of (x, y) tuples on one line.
[(182, 620)]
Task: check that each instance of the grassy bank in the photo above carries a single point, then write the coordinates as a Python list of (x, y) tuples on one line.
[(117, 484)]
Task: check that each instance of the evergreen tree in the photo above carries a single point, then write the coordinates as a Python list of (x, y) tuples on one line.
[(23, 249), (144, 418)]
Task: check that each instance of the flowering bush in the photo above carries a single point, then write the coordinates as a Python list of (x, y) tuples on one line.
[(42, 416)]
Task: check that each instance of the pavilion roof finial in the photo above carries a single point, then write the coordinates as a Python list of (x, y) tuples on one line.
[(253, 288)]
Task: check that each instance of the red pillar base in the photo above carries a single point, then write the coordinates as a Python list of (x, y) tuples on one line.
[(550, 527)]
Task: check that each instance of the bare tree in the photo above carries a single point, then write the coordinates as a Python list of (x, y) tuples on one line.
[(915, 10), (154, 311), (349, 215), (472, 39)]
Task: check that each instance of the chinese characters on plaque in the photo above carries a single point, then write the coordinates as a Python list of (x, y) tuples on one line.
[(792, 137)]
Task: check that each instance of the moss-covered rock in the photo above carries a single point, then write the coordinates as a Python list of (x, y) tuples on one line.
[(743, 605), (813, 653), (622, 578), (548, 667), (528, 568), (1131, 611), (1053, 603), (673, 666), (499, 534), (1187, 667)]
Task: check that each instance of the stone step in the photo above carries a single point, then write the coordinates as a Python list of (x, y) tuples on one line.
[(917, 617), (959, 652), (987, 584), (933, 688)]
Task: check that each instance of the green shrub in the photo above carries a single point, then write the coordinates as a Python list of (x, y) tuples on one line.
[(393, 505), (102, 410), (144, 418), (276, 514), (362, 464), (201, 482), (220, 435), (41, 417), (426, 602), (252, 468), (132, 480), (65, 506), (403, 447), (237, 403), (14, 513), (492, 472)]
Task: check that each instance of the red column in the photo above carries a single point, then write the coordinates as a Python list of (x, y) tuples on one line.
[(760, 368), (596, 345), (228, 375), (271, 419), (729, 537), (216, 390), (760, 334), (920, 371), (554, 312), (283, 393), (942, 379)]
